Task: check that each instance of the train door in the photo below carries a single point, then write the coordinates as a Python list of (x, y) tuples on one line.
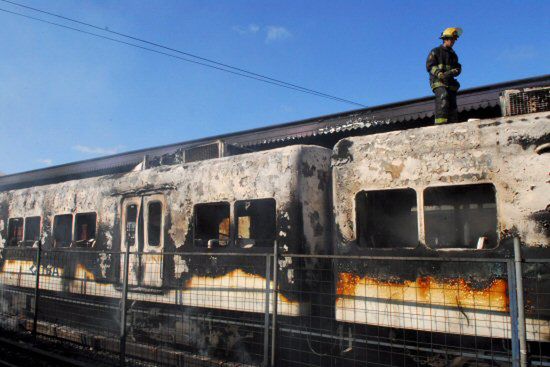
[(143, 235), (132, 225), (153, 244)]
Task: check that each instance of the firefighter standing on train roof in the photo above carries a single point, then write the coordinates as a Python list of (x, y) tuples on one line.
[(443, 66)]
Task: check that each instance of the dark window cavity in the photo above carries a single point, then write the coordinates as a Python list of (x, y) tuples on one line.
[(154, 223), (62, 230), (387, 218), (211, 224), (256, 222), (85, 226), (461, 216), (131, 223), (32, 230), (15, 231)]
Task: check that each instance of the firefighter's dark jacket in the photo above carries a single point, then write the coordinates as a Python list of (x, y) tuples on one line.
[(440, 60)]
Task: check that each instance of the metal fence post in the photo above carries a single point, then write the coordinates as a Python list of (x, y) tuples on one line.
[(122, 348), (512, 295), (266, 314), (36, 289), (274, 308), (521, 307)]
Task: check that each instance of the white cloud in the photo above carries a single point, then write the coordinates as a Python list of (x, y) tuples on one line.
[(250, 29), (277, 33), (97, 150), (45, 161), (272, 32)]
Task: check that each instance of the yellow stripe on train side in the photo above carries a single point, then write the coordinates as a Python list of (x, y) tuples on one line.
[(445, 306), (235, 291)]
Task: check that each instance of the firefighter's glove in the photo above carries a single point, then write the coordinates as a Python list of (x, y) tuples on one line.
[(455, 72), (448, 74)]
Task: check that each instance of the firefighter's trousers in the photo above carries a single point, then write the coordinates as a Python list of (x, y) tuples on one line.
[(445, 106)]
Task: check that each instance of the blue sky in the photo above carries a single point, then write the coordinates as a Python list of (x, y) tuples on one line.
[(65, 96)]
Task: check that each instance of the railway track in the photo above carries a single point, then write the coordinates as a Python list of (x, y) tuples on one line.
[(17, 352)]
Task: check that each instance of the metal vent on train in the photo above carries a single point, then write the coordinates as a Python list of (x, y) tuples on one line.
[(203, 152), (528, 100)]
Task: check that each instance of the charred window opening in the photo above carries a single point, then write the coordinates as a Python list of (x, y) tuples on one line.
[(461, 216), (387, 218), (256, 222), (211, 224), (154, 223), (32, 230), (131, 223), (85, 226), (15, 231), (62, 230)]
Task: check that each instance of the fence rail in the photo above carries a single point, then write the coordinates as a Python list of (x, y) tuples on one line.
[(266, 309)]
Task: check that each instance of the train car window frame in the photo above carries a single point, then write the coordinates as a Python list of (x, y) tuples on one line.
[(11, 241), (461, 201), (222, 238), (158, 237), (30, 241), (125, 228), (77, 235), (382, 230), (259, 219), (69, 230)]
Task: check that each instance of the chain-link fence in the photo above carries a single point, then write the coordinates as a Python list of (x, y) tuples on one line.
[(235, 309)]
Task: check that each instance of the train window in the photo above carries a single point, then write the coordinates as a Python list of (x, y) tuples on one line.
[(85, 225), (15, 231), (131, 223), (387, 218), (62, 230), (154, 223), (211, 224), (32, 230), (255, 222), (462, 216)]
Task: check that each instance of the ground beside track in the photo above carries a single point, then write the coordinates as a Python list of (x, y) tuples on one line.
[(21, 350)]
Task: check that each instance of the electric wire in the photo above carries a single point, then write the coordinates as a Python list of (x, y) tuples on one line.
[(152, 50), (220, 67), (171, 49)]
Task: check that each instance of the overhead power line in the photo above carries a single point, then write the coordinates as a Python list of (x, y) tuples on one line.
[(203, 61)]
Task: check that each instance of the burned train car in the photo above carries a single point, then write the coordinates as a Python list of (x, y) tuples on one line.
[(162, 216), (398, 210), (442, 192)]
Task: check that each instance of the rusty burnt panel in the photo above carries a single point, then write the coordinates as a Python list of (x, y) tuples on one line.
[(427, 290), (324, 130)]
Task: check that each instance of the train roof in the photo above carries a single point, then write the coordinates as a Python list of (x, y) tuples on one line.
[(479, 102)]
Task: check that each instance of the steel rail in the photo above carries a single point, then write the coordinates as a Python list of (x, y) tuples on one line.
[(25, 347)]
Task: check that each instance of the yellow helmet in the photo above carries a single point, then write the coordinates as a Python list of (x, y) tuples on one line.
[(451, 33)]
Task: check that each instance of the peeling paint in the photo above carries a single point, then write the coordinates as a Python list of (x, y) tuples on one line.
[(472, 152), (292, 176), (526, 141), (542, 220)]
